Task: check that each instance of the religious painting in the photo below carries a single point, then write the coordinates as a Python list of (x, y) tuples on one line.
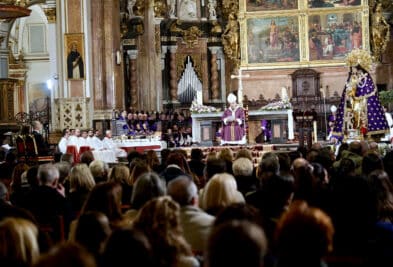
[(267, 5), (332, 36), (333, 3), (38, 98), (273, 39), (75, 56)]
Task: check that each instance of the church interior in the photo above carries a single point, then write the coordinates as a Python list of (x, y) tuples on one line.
[(159, 56), (196, 133)]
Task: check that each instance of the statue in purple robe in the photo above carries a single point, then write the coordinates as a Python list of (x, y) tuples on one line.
[(360, 113), (233, 123)]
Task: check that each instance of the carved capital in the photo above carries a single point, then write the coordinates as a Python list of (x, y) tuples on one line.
[(50, 14)]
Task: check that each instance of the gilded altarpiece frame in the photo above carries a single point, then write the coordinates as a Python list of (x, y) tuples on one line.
[(297, 34)]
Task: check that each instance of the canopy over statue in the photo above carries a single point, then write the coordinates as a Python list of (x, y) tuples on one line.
[(360, 113)]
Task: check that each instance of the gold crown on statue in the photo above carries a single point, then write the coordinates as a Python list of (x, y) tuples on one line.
[(360, 57)]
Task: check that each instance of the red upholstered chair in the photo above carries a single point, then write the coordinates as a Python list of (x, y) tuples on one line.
[(20, 147), (73, 150)]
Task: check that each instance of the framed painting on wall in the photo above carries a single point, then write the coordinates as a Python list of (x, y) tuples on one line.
[(265, 5), (75, 56), (273, 39), (332, 35), (333, 3)]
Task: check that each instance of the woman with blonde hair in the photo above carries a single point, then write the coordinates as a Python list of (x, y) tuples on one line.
[(121, 174), (81, 183), (159, 220), (18, 242), (219, 192)]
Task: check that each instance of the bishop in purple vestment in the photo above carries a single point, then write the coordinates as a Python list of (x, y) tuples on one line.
[(233, 123)]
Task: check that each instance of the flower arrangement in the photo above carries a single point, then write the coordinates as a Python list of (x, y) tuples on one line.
[(198, 108), (278, 105)]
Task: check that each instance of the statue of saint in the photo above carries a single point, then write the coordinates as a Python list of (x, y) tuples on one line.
[(380, 31)]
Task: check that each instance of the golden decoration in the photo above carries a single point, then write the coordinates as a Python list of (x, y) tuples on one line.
[(380, 32), (216, 27), (191, 36), (359, 57), (50, 14), (159, 9), (230, 40), (174, 27), (139, 8)]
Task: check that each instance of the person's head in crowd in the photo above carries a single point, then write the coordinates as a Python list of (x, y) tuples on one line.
[(226, 155), (92, 231), (268, 166), (312, 155), (48, 175), (148, 186), (6, 174), (67, 158), (302, 150), (371, 161), (87, 157), (356, 148), (164, 155), (137, 168), (285, 163), (124, 244), (64, 168), (19, 169), (106, 198), (57, 156), (347, 167), (305, 182), (387, 163), (219, 192), (294, 155), (320, 173), (343, 147), (304, 235), (81, 179), (37, 126), (4, 196), (67, 254), (120, 174), (214, 166), (184, 191), (196, 154), (211, 155), (240, 212), (373, 146), (99, 169), (364, 146), (32, 176), (159, 219), (242, 167), (244, 153), (383, 188), (133, 154), (177, 158), (18, 242), (152, 159), (236, 243)]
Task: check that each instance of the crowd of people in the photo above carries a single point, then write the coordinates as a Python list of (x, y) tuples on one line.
[(174, 127), (294, 208)]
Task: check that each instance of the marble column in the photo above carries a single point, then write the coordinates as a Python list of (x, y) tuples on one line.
[(214, 81), (107, 81), (133, 54), (172, 75)]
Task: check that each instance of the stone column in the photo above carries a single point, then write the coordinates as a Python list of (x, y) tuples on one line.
[(107, 81), (172, 75), (133, 54), (215, 89)]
